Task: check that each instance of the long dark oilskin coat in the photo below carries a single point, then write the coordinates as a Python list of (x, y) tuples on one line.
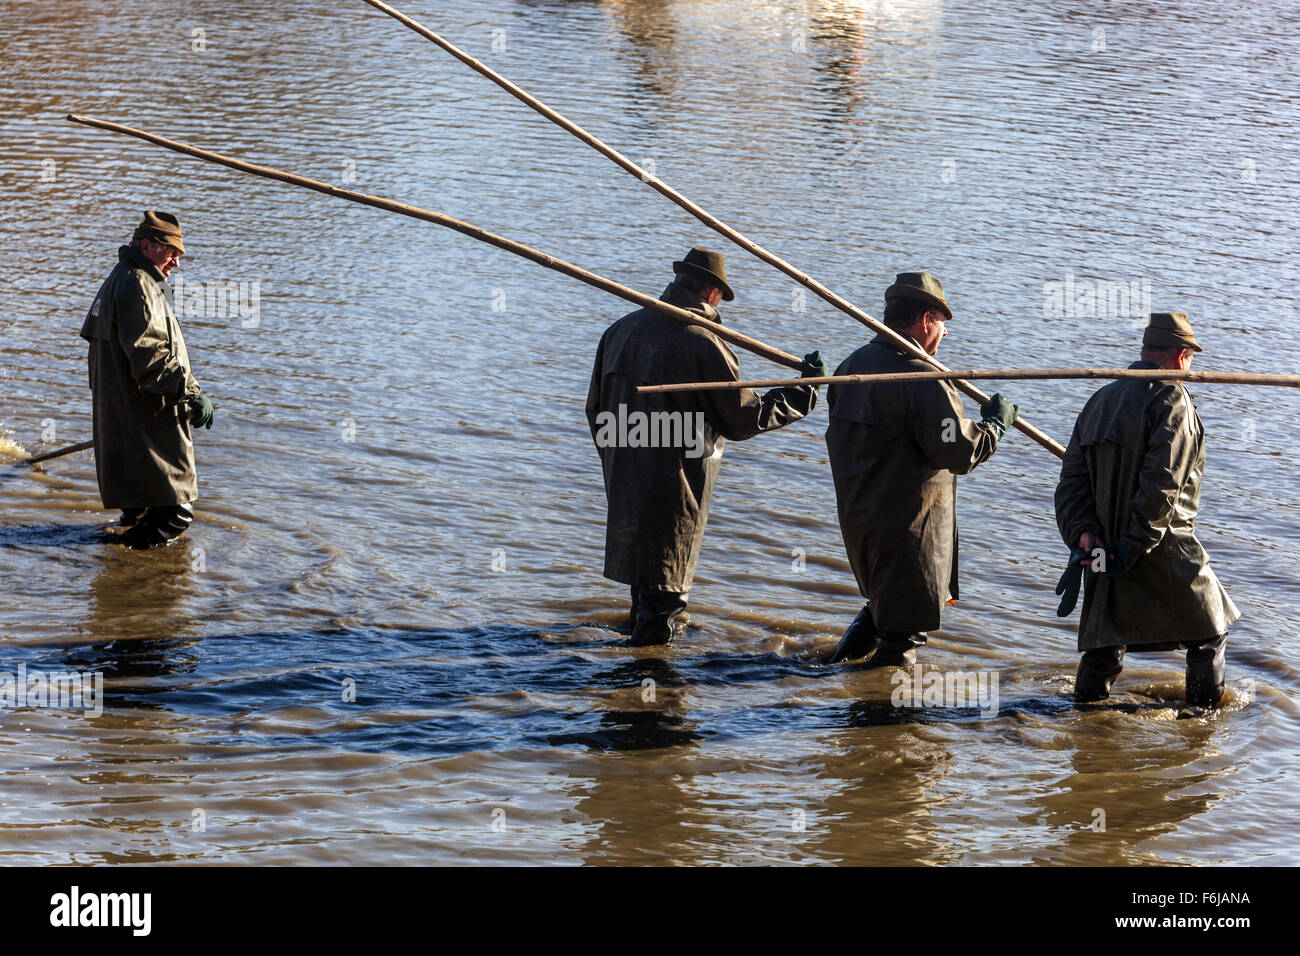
[(1132, 476), (140, 380), (659, 497), (896, 449)]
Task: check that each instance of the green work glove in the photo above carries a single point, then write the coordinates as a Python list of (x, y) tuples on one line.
[(814, 366), (1000, 413), (200, 411)]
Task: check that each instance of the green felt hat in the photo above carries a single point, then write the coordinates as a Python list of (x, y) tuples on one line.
[(920, 286), (708, 266), (160, 227), (1170, 330)]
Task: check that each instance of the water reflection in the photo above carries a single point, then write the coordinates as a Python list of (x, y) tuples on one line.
[(654, 717), (840, 42), (139, 634), (649, 31), (648, 711), (1132, 778), (879, 785)]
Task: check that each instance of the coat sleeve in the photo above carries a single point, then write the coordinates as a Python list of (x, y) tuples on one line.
[(1076, 509), (737, 414), (143, 335), (947, 438), (593, 391), (1165, 467)]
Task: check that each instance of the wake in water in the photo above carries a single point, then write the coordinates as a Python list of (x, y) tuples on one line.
[(10, 450)]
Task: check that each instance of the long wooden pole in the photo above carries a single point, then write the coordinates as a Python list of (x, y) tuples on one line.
[(80, 446), (717, 225), (1146, 374), (482, 235)]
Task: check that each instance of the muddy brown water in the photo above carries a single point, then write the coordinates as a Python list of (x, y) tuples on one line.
[(400, 489)]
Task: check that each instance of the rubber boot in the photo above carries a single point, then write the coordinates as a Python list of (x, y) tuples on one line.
[(636, 605), (1098, 669), (660, 616), (130, 516), (896, 650), (859, 640), (158, 526), (1205, 665)]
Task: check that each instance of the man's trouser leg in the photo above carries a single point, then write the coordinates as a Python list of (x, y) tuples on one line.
[(158, 526), (1205, 660), (859, 640), (896, 649), (660, 616), (1098, 669)]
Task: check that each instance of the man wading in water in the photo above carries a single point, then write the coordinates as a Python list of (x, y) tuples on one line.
[(1126, 506), (896, 449), (145, 397), (659, 490)]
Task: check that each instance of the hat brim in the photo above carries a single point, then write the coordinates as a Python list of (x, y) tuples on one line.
[(701, 273), (164, 239), (1163, 339), (917, 295)]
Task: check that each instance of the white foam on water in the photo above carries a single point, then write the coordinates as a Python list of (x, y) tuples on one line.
[(10, 450)]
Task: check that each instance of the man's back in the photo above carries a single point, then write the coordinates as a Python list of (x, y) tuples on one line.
[(1126, 506), (659, 480), (647, 347), (895, 449), (907, 433), (1124, 424), (1132, 476)]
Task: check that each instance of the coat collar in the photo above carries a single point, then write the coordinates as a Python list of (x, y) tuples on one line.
[(675, 295), (1140, 363), (136, 260), (880, 338)]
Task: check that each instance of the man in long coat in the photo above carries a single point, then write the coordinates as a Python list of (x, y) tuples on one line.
[(1126, 506), (145, 397), (660, 452), (896, 449)]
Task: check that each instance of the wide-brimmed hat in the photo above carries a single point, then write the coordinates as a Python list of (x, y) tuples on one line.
[(708, 266), (1170, 330), (160, 227), (920, 286)]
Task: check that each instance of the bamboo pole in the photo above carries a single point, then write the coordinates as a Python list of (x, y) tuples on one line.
[(1143, 374), (80, 446), (550, 262), (717, 225)]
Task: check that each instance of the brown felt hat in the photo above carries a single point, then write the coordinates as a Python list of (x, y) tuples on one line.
[(920, 286), (160, 227), (708, 266), (1170, 330)]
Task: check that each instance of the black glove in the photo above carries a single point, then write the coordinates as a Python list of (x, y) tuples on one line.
[(200, 411), (1071, 580), (814, 366)]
